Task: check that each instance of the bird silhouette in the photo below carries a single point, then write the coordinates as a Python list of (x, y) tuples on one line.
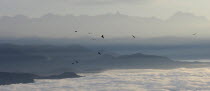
[(72, 63), (99, 53), (77, 62), (133, 36), (102, 36), (75, 28)]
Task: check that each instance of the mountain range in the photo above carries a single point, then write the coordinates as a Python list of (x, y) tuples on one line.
[(50, 60), (7, 78), (181, 24)]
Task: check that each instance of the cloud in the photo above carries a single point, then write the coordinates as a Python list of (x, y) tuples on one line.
[(181, 79)]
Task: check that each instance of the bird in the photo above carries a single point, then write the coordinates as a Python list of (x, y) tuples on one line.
[(89, 33), (93, 39), (72, 63), (99, 53), (75, 28), (77, 62), (133, 36), (194, 34), (102, 36)]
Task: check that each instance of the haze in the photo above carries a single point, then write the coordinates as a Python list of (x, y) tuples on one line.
[(156, 18), (114, 45), (160, 8)]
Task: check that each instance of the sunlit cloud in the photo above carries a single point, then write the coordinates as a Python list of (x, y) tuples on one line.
[(125, 80)]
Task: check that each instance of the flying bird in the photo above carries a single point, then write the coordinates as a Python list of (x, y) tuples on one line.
[(77, 62), (102, 36), (133, 36), (75, 28), (99, 53)]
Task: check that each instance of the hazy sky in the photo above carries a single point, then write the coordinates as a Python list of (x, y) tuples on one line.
[(176, 23), (159, 8)]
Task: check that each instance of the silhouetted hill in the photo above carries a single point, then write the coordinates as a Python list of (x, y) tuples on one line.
[(7, 78), (61, 76), (140, 55), (15, 78), (48, 59)]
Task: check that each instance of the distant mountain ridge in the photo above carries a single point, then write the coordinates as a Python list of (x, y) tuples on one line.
[(44, 60), (55, 26), (7, 78), (140, 55)]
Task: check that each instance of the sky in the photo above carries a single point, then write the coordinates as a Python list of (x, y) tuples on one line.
[(157, 18), (146, 8)]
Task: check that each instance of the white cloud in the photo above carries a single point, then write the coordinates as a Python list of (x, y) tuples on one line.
[(126, 80)]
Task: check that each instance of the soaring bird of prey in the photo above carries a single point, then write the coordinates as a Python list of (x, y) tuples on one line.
[(75, 31), (102, 36), (133, 36)]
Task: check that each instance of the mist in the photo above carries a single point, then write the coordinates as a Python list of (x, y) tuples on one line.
[(116, 25), (104, 45)]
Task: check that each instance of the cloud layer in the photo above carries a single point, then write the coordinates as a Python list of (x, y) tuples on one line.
[(126, 80)]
